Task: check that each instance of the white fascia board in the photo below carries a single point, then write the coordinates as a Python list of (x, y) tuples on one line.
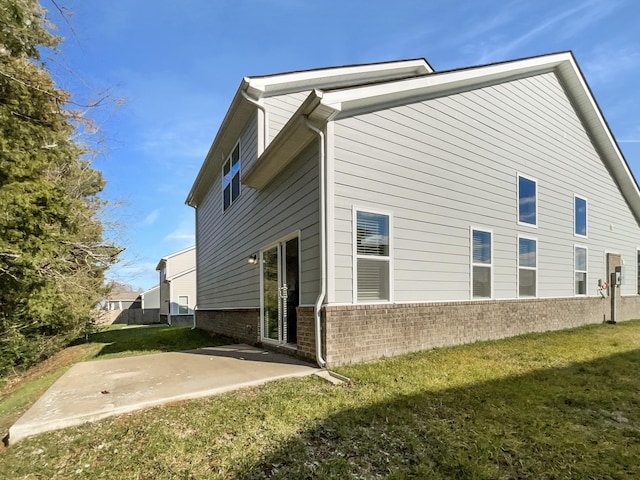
[(335, 76), (599, 131), (155, 287), (440, 83), (171, 255)]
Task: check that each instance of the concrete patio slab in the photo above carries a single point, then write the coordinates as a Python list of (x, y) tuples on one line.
[(93, 390)]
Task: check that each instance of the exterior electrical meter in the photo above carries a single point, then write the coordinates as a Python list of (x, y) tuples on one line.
[(616, 277)]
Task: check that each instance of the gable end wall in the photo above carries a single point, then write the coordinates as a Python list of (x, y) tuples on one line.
[(445, 165)]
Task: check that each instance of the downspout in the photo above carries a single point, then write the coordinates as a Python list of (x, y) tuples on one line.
[(195, 307), (264, 114), (317, 311)]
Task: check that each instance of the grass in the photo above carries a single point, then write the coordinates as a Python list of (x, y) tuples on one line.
[(559, 405), (18, 393)]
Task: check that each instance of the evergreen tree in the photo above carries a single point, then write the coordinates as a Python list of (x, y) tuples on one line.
[(52, 252)]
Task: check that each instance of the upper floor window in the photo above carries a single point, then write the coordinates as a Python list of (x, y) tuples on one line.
[(580, 216), (231, 178), (481, 262), (527, 267), (527, 201), (373, 272)]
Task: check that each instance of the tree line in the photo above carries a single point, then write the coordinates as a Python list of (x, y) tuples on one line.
[(53, 248)]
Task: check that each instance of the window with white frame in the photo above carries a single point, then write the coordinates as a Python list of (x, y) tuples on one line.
[(580, 267), (372, 265), (579, 216), (481, 263), (527, 267), (527, 201), (183, 305), (231, 178)]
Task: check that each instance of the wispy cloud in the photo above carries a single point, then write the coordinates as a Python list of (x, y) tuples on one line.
[(565, 24), (608, 62), (183, 236), (138, 274), (151, 218), (633, 136), (186, 140)]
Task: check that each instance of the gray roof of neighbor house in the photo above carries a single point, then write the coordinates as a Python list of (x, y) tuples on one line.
[(123, 296), (335, 101)]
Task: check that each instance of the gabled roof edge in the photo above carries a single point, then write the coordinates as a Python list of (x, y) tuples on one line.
[(171, 255)]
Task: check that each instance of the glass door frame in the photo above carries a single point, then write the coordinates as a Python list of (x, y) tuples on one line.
[(278, 244)]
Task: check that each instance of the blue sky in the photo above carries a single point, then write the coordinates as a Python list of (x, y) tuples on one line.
[(177, 65)]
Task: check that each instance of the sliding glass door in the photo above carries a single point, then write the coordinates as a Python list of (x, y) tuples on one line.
[(280, 292)]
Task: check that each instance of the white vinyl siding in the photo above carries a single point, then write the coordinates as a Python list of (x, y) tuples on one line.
[(481, 264), (280, 108), (446, 163), (184, 285), (373, 256), (580, 266)]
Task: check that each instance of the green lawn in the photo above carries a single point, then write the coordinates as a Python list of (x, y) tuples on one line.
[(562, 405)]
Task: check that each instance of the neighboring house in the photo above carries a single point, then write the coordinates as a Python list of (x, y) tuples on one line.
[(151, 298), (150, 305), (177, 292), (350, 213), (132, 308), (122, 301)]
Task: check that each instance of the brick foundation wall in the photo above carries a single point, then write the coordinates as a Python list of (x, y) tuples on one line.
[(181, 320), (359, 333), (241, 325), (628, 308), (306, 334)]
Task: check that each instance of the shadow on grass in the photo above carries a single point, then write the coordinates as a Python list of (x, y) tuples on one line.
[(155, 339), (582, 421)]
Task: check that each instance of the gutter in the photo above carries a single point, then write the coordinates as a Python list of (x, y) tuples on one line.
[(317, 310), (264, 123)]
